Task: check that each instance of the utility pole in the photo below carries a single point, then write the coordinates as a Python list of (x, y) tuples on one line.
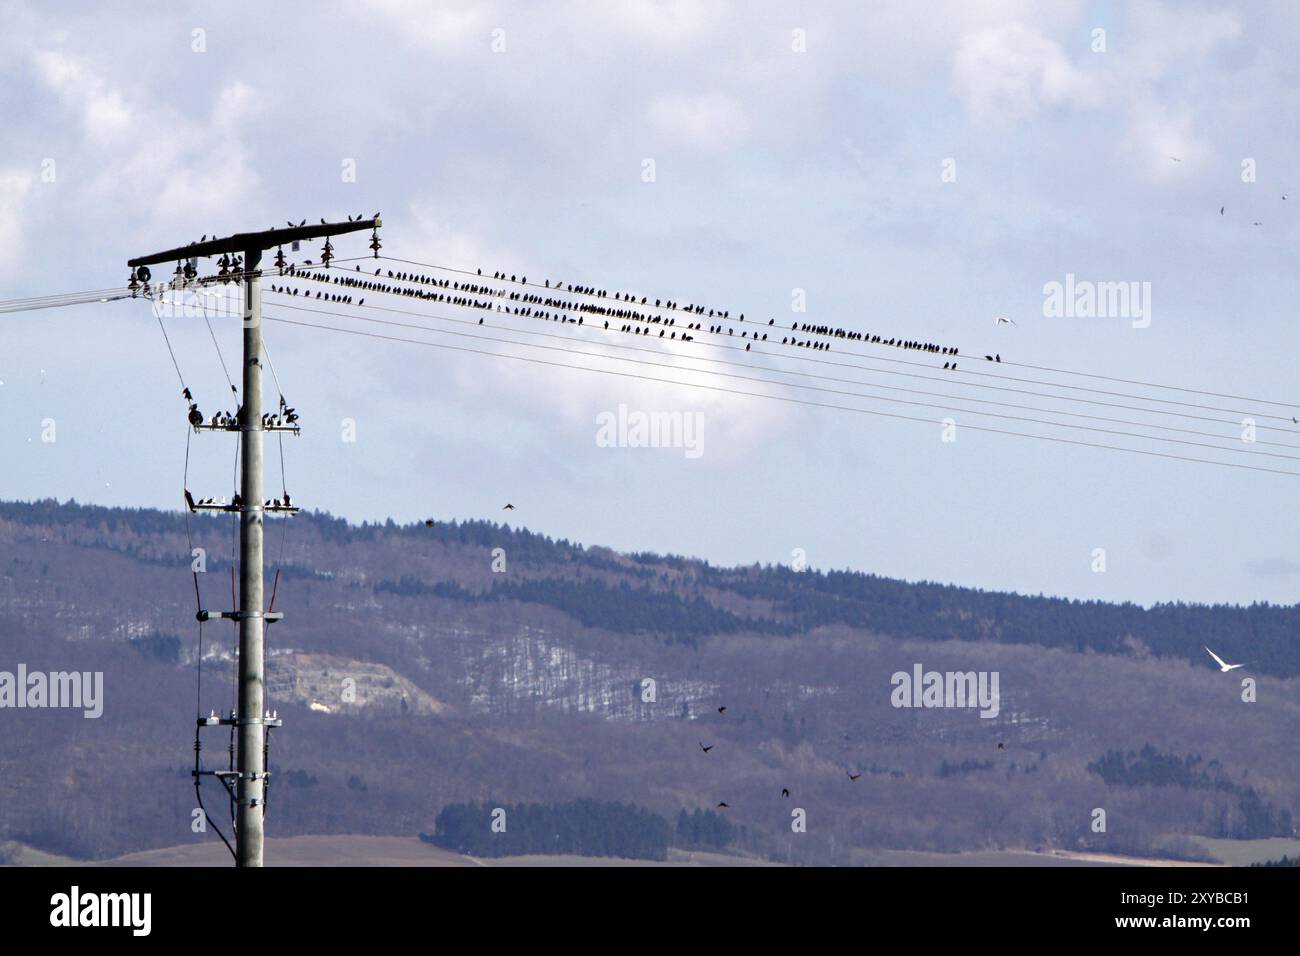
[(251, 720), (251, 782)]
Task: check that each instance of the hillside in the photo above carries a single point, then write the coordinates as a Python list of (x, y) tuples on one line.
[(411, 676)]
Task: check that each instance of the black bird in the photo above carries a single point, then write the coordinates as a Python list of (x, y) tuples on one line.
[(853, 776), (997, 358), (1221, 208), (508, 507), (723, 708), (186, 393), (704, 748), (428, 522), (1001, 746), (195, 416), (724, 805), (785, 792)]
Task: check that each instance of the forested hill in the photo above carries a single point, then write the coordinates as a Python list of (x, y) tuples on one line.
[(674, 599)]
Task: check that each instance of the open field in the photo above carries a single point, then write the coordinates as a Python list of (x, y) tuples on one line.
[(359, 850)]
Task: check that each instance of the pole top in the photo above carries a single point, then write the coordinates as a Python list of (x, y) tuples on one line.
[(244, 242)]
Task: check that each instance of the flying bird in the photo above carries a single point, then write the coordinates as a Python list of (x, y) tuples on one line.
[(1175, 159), (1224, 668), (1003, 320), (853, 776), (1001, 745), (704, 748), (722, 709), (785, 792), (508, 507)]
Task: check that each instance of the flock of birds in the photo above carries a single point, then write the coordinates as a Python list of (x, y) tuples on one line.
[(622, 312), (284, 503)]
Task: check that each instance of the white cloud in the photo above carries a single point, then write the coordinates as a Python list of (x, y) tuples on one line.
[(1010, 72), (104, 113), (15, 184), (711, 121)]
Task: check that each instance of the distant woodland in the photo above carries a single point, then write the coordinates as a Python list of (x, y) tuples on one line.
[(577, 687)]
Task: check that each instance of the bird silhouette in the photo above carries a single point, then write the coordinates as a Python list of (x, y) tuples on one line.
[(508, 507), (722, 709), (1003, 320), (853, 776), (704, 748), (1001, 745), (724, 805), (428, 522)]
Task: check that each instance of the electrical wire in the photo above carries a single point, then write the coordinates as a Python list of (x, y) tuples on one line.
[(780, 371), (781, 398), (833, 391), (718, 319), (928, 366)]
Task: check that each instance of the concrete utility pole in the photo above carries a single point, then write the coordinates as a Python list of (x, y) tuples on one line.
[(251, 786), (251, 720)]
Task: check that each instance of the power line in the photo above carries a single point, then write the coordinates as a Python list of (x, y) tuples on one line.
[(349, 280), (784, 398), (1050, 411), (806, 358), (718, 318)]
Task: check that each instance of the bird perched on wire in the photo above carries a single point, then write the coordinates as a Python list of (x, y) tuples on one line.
[(195, 416)]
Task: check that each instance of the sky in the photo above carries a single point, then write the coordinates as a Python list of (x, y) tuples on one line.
[(914, 169)]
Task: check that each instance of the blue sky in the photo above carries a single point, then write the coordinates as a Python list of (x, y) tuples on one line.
[(775, 170)]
